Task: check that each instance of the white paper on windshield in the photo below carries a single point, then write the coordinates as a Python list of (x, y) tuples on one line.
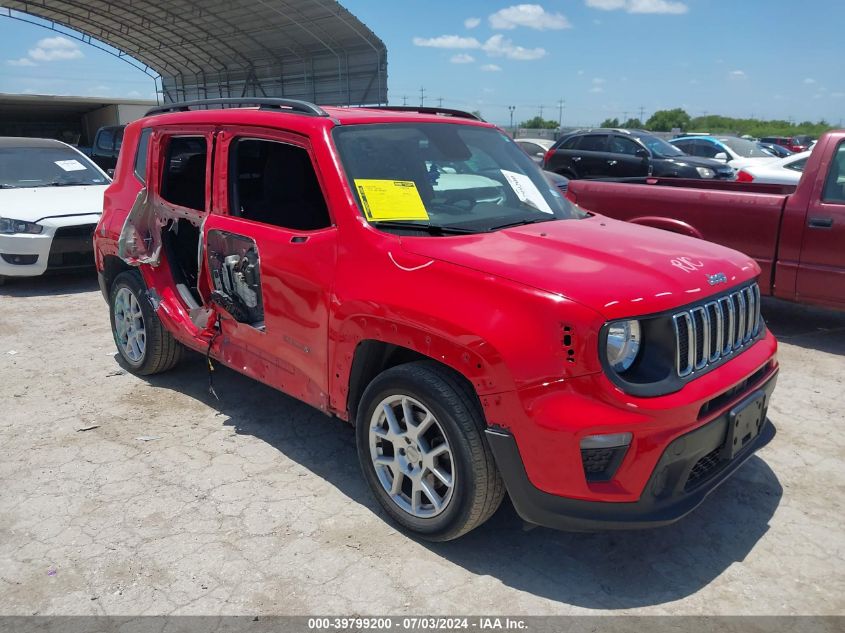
[(71, 165), (526, 190)]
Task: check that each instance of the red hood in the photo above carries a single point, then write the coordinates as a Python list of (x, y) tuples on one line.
[(616, 268)]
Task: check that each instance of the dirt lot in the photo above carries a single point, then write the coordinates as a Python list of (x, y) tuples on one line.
[(254, 504)]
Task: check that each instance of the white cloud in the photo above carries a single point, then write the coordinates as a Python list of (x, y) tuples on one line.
[(491, 68), (607, 5), (447, 41), (133, 94), (837, 95), (737, 74), (640, 6), (532, 16), (495, 46), (57, 48), (498, 46), (809, 81), (462, 58), (598, 85), (471, 23), (580, 72), (23, 61)]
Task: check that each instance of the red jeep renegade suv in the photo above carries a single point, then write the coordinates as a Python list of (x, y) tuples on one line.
[(413, 272)]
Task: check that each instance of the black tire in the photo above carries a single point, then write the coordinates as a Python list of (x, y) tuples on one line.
[(478, 487), (161, 351)]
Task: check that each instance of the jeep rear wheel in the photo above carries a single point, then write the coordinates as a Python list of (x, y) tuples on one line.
[(142, 342), (420, 436)]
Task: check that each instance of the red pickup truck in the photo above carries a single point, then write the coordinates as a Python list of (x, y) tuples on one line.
[(415, 274), (796, 234)]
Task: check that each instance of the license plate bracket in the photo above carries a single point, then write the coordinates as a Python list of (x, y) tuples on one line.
[(744, 423)]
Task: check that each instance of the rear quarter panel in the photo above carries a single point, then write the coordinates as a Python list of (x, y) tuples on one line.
[(118, 198), (746, 219)]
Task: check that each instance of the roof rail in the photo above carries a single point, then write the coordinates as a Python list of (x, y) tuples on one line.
[(427, 110), (287, 105)]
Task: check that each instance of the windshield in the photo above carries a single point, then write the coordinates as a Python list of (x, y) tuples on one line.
[(659, 147), (744, 148), (457, 177), (46, 167)]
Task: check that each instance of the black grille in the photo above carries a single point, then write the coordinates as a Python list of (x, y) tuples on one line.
[(704, 467), (710, 331), (80, 230), (72, 247)]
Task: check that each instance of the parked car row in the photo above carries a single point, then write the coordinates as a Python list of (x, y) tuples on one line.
[(619, 153)]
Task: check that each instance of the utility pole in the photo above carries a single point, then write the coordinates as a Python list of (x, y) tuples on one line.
[(624, 117), (560, 106), (541, 112), (404, 100), (642, 114), (512, 108), (422, 97), (439, 102)]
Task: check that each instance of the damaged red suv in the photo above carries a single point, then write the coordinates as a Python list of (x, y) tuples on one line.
[(413, 272)]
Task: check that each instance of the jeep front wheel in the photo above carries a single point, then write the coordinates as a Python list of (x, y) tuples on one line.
[(420, 437)]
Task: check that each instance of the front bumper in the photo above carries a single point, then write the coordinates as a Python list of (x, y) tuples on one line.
[(64, 244), (690, 468)]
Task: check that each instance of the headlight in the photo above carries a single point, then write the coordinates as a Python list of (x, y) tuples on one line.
[(10, 227), (705, 172), (623, 344)]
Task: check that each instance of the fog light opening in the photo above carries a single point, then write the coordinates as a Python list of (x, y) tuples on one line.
[(601, 455)]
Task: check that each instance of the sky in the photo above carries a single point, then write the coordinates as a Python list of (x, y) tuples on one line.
[(603, 58)]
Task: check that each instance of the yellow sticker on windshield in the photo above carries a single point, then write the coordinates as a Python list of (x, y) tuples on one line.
[(391, 200)]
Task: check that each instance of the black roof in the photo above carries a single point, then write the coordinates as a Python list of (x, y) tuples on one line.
[(21, 141)]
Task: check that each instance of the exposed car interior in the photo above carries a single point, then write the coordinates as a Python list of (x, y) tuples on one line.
[(183, 184), (275, 183)]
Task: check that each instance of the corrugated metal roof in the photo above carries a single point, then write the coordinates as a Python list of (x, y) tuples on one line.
[(314, 50)]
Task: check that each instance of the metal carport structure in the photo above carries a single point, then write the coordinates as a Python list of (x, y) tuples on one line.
[(314, 50)]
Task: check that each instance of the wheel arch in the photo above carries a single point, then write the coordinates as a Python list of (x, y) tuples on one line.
[(372, 346), (112, 267), (667, 224)]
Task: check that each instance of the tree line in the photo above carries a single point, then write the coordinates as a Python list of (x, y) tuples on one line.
[(678, 118)]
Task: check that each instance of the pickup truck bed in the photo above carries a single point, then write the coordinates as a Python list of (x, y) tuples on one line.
[(796, 234)]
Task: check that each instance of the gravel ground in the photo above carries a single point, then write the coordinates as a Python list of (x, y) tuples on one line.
[(179, 504)]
